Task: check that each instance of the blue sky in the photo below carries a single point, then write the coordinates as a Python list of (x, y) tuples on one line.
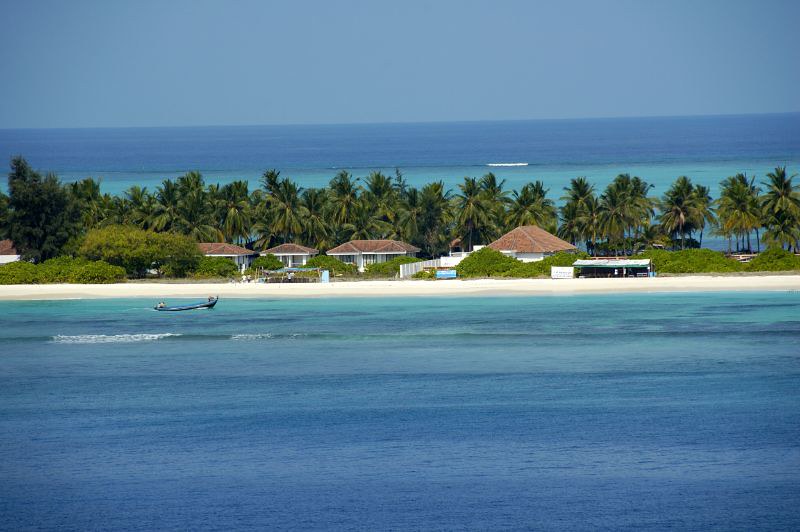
[(195, 62)]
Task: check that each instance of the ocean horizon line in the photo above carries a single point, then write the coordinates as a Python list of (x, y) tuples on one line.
[(404, 123)]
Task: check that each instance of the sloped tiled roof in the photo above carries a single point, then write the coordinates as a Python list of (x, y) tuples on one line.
[(7, 247), (530, 239), (291, 249), (373, 246), (222, 248)]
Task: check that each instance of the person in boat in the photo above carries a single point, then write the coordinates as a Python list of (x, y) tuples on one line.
[(211, 298), (161, 305)]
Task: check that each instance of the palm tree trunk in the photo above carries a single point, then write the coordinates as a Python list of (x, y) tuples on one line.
[(758, 241)]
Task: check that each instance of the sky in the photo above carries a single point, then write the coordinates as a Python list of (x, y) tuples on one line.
[(239, 62)]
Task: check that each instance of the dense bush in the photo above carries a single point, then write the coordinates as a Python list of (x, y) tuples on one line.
[(486, 262), (138, 251), (425, 274), (390, 268), (267, 262), (98, 272), (542, 267), (20, 272), (61, 270), (209, 267), (691, 261), (332, 264), (774, 260)]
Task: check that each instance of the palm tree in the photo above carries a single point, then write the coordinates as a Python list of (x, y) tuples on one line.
[(365, 224), (435, 218), (579, 201), (195, 216), (614, 217), (140, 206), (781, 207), (496, 200), (287, 212), (704, 209), (343, 197), (530, 206), (165, 212), (234, 211), (316, 230), (679, 209), (410, 214), (739, 209), (474, 216)]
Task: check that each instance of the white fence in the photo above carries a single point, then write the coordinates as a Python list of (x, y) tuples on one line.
[(407, 270), (447, 261)]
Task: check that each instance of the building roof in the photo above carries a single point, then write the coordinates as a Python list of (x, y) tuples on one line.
[(222, 248), (7, 247), (612, 263), (373, 246), (291, 249), (530, 239)]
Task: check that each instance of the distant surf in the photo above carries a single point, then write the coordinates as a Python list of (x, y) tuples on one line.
[(109, 338), (507, 164)]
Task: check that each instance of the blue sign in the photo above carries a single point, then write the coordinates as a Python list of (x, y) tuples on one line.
[(445, 274)]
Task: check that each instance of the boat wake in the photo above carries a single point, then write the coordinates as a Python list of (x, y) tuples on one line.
[(507, 164), (110, 338)]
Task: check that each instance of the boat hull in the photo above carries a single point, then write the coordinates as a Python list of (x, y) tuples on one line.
[(207, 304)]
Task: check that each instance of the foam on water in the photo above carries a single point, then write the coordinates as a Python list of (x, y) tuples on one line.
[(110, 338)]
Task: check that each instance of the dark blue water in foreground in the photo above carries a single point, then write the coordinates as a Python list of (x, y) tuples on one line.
[(634, 412), (708, 149)]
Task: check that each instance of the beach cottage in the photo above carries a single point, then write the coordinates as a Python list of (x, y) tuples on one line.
[(530, 243), (292, 255), (8, 252), (241, 256), (365, 252)]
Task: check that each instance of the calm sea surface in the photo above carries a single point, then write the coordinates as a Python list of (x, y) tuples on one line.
[(617, 411), (708, 149)]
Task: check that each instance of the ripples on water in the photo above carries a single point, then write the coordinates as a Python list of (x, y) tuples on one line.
[(635, 411)]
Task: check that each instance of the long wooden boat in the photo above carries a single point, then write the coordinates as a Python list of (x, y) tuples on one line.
[(205, 304)]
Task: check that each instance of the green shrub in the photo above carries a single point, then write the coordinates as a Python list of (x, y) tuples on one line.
[(332, 264), (774, 260), (61, 270), (209, 267), (98, 272), (19, 272), (542, 268), (390, 268), (486, 262), (138, 251), (425, 274), (267, 262), (691, 261)]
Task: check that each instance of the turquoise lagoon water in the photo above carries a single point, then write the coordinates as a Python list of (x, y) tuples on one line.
[(575, 412)]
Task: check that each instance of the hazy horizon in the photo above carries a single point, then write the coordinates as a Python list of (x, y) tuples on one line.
[(207, 63)]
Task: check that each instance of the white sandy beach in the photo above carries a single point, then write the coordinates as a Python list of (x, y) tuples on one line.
[(405, 288)]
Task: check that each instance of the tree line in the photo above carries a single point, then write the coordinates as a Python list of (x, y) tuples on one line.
[(46, 218)]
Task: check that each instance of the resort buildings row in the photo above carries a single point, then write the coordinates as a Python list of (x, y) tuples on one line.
[(527, 243)]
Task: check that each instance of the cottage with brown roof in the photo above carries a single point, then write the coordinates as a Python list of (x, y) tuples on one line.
[(530, 243), (241, 256), (365, 252), (8, 253), (292, 255)]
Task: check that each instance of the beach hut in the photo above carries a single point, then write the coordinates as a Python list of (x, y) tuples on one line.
[(8, 252), (614, 267), (292, 255), (365, 252), (530, 243), (243, 257)]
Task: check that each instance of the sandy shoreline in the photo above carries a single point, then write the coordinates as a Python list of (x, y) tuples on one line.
[(404, 288)]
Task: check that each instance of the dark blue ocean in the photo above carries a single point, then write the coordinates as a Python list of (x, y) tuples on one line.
[(635, 412), (707, 149)]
